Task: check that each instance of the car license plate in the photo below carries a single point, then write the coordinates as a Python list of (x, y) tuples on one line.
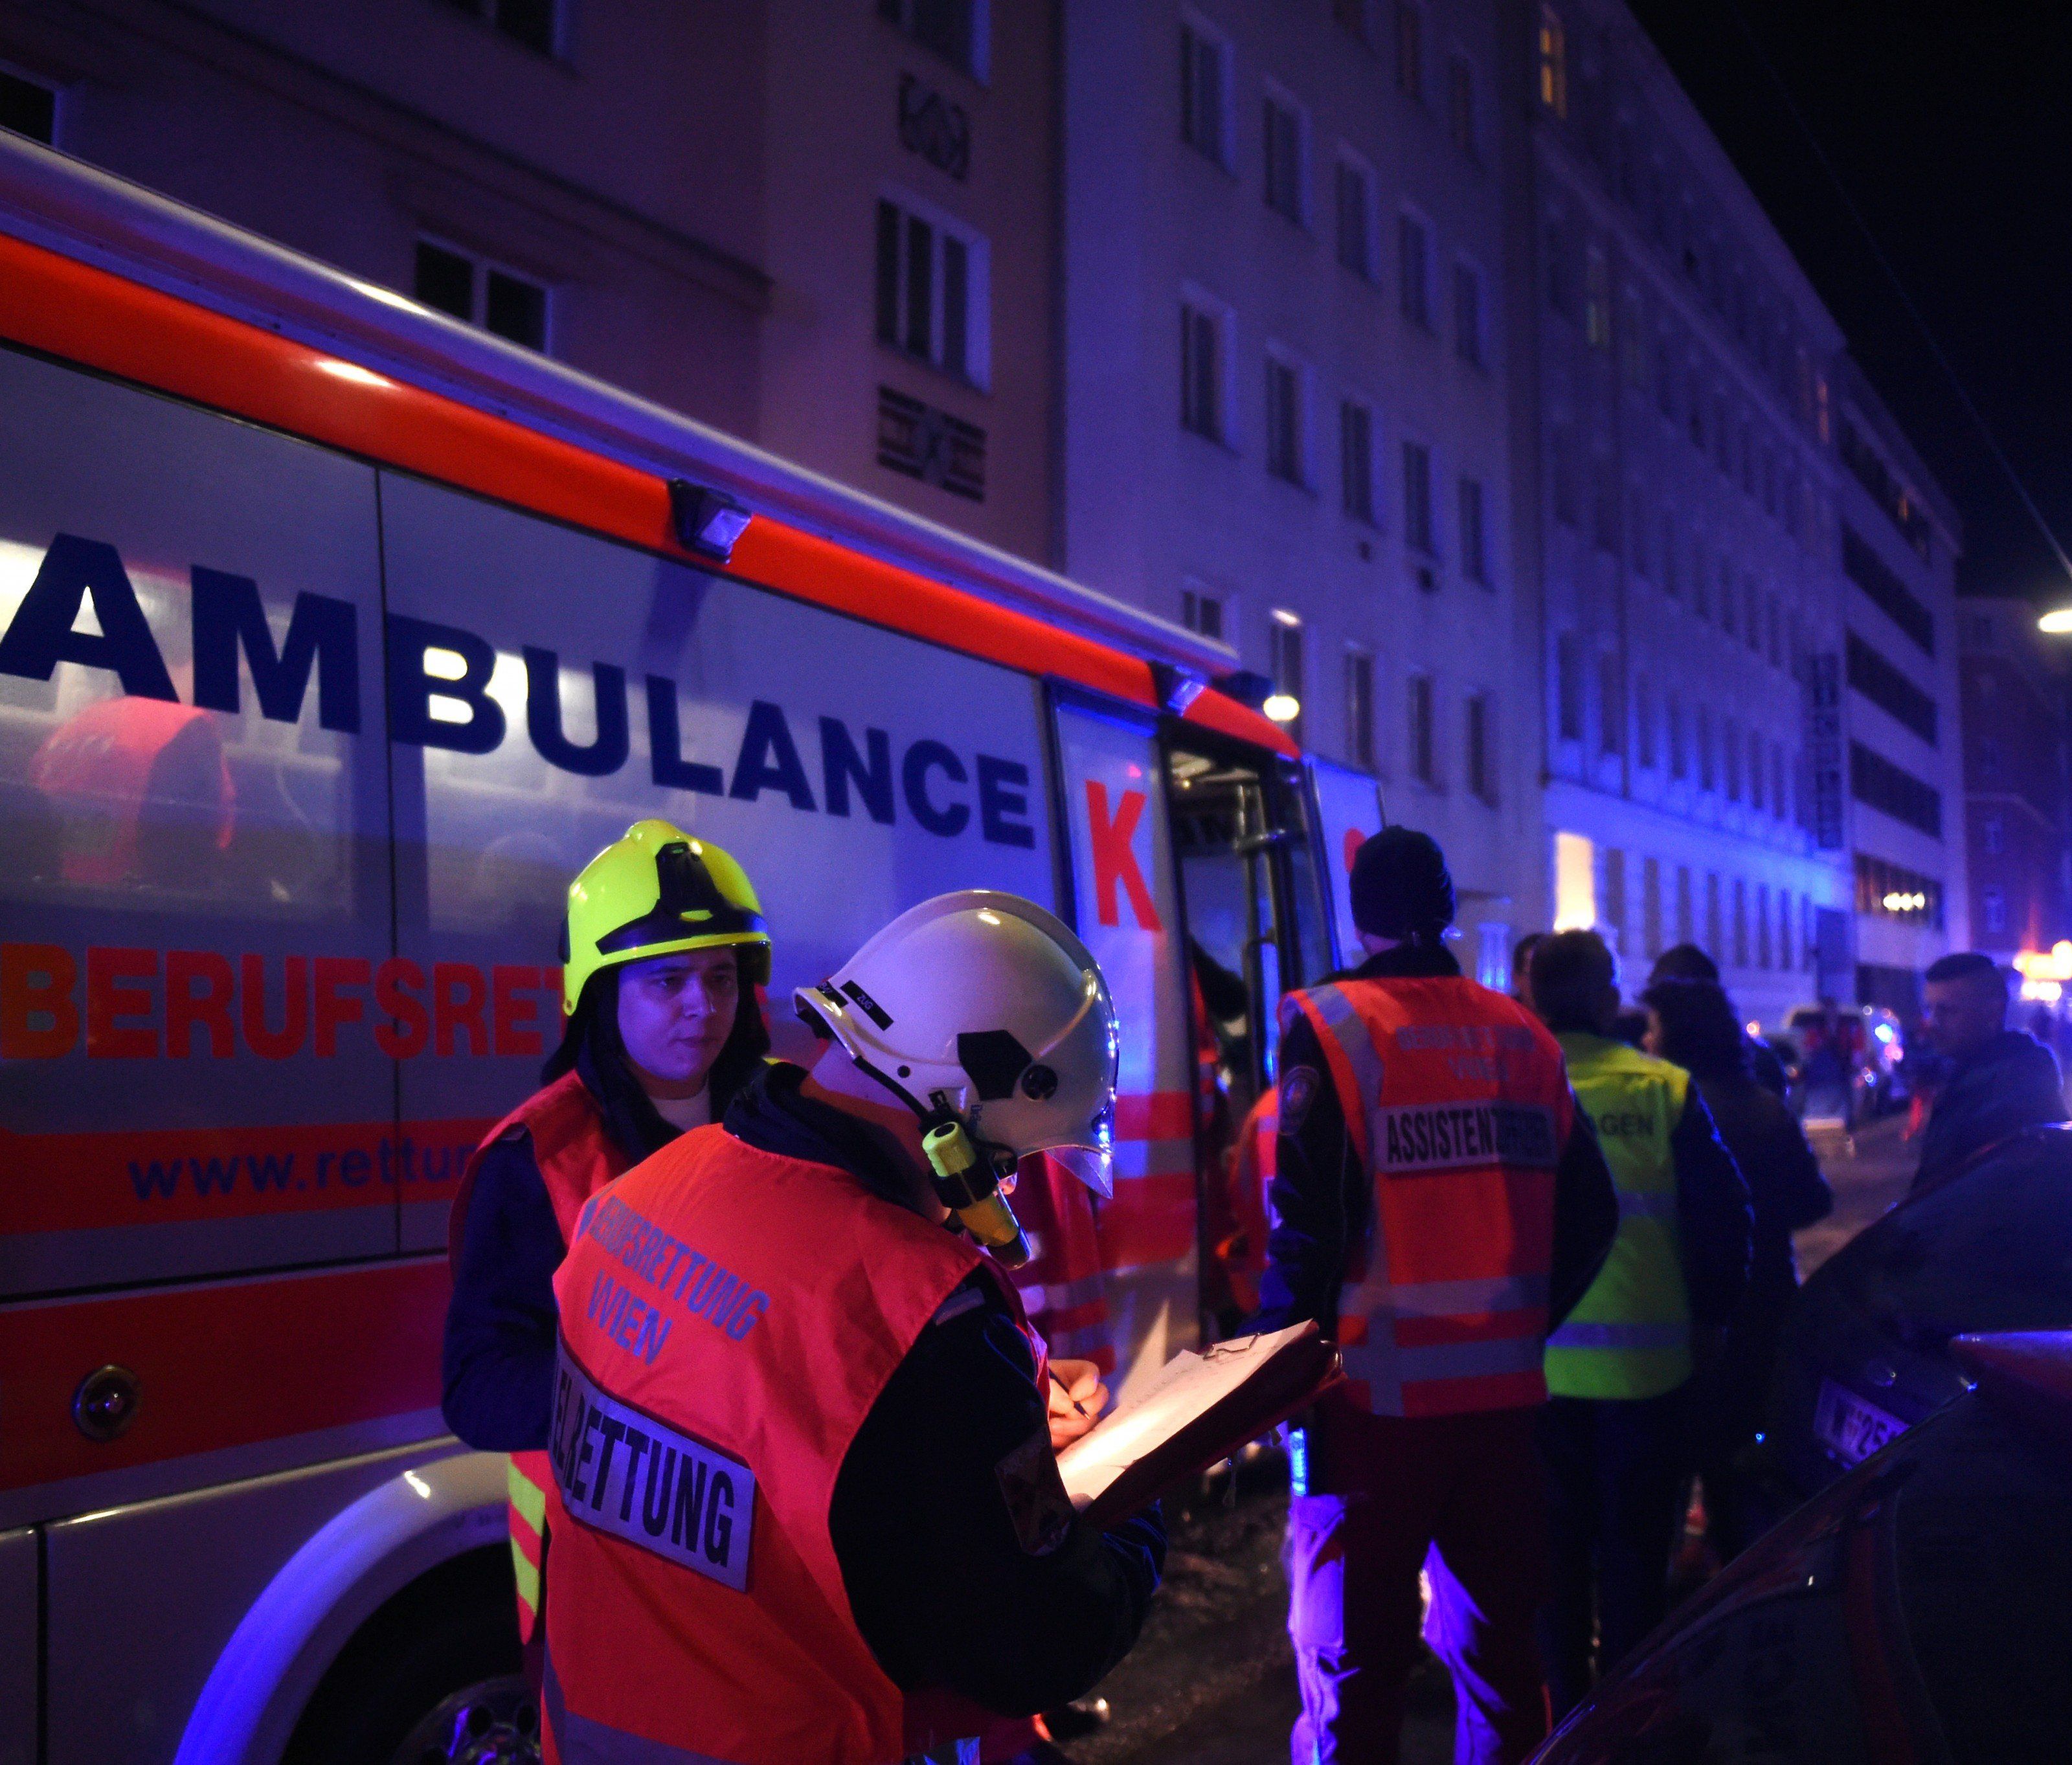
[(1852, 1428)]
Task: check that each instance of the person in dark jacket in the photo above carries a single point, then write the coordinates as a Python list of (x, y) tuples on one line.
[(1999, 1080), (1691, 1023), (1687, 962), (1614, 1431)]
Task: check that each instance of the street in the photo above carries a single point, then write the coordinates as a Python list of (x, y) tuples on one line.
[(1213, 1680)]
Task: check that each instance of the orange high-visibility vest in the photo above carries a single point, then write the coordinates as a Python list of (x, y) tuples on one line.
[(1458, 1105), (729, 1316), (577, 1157), (1243, 1252)]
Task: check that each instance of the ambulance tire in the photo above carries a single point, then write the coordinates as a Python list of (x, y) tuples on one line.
[(451, 1629)]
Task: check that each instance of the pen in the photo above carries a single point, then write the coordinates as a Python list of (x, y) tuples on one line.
[(1069, 1398)]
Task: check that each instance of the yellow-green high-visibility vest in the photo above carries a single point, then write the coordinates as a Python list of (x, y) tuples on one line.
[(1630, 1335)]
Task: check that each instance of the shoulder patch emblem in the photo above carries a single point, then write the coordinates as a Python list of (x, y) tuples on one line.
[(1036, 1504), (1298, 1091)]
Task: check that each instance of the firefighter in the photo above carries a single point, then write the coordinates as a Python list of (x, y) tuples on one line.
[(1615, 1432), (1438, 1200), (805, 1497), (664, 947)]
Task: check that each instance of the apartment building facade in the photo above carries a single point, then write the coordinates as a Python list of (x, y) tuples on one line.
[(1677, 373), (1286, 382), (825, 228), (1898, 672), (2015, 794)]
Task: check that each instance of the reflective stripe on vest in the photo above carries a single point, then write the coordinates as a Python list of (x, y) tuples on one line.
[(744, 1310), (1455, 1101), (576, 1157), (1629, 1335)]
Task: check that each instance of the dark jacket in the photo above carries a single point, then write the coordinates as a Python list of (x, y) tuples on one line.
[(1787, 1191), (498, 1359), (943, 1589), (1323, 1199), (2011, 1084)]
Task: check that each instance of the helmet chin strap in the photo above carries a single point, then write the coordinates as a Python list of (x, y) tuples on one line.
[(968, 1181)]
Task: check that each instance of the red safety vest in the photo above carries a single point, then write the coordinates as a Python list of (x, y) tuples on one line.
[(1242, 1250), (577, 1157), (729, 1316), (1458, 1103)]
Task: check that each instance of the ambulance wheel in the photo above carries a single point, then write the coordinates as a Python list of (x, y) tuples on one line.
[(436, 1671)]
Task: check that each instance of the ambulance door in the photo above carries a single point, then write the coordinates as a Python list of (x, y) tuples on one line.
[(1247, 857), (1348, 812), (1119, 888)]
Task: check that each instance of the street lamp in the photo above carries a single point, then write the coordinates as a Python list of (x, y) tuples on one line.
[(2057, 622)]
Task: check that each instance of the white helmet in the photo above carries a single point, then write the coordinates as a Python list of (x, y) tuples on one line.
[(986, 1004)]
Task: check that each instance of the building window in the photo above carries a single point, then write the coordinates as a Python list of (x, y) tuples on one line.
[(1755, 771), (1410, 49), (1205, 92), (1356, 460), (956, 30), (1467, 314), (1424, 758), (1730, 740), (529, 22), (932, 292), (1740, 924), (1672, 723), (1713, 943), (1286, 154), (1883, 683), (1776, 624), (1413, 241), (1203, 613), (1283, 663), (1359, 709), (1778, 806), (1686, 919), (1871, 574), (1753, 626), (1204, 356), (1461, 107), (1992, 834), (1482, 749), (1994, 902), (497, 300), (28, 108), (1355, 205), (1568, 687), (1701, 582), (1418, 497), (1284, 421), (1643, 722), (1784, 929), (1636, 529), (1474, 541), (1561, 473), (1708, 776), (1612, 917), (1650, 907), (1596, 300), (1892, 790), (1611, 705), (1891, 891), (1553, 62)]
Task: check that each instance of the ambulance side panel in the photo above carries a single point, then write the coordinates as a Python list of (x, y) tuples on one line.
[(853, 771)]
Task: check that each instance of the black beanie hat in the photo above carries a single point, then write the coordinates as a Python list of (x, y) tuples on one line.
[(1400, 887)]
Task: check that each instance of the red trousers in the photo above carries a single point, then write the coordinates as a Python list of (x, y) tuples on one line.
[(1460, 1496)]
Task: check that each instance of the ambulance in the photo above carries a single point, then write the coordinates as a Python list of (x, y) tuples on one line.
[(334, 637)]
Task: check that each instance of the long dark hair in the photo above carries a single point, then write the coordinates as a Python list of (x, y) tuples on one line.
[(590, 1045), (1700, 1032)]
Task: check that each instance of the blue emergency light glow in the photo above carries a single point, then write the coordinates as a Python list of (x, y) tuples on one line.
[(1298, 1461)]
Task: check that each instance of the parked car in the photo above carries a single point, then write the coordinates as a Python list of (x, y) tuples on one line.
[(1918, 1612), (1866, 1354)]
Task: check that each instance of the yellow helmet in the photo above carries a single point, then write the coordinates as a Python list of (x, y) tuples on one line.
[(656, 892)]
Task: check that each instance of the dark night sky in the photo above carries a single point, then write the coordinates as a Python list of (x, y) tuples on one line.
[(1951, 126)]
